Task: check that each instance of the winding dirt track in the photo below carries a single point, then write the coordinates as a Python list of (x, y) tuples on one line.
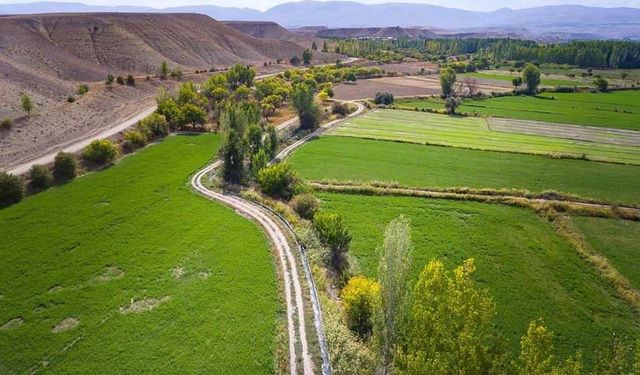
[(273, 226)]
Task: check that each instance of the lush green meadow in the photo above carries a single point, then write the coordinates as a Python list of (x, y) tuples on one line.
[(136, 233), (474, 133), (529, 270), (619, 109), (617, 240), (415, 165)]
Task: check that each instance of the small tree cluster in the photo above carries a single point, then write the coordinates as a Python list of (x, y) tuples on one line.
[(278, 180), (333, 233), (309, 112), (101, 151), (383, 98)]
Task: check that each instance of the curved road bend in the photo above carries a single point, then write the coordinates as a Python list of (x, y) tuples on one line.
[(292, 286)]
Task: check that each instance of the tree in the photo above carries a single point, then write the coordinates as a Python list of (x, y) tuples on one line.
[(154, 125), (360, 299), (240, 75), (383, 98), (259, 160), (109, 80), (130, 80), (101, 151), (516, 82), (602, 84), (395, 262), (325, 47), (531, 78), (164, 70), (295, 61), (350, 77), (278, 180), (168, 108), (40, 176), (536, 349), (194, 115), (307, 55), (11, 189), (314, 46), (26, 104), (624, 76), (451, 325), (65, 166), (447, 81), (271, 142), (254, 138), (334, 234), (232, 154), (451, 104), (309, 113)]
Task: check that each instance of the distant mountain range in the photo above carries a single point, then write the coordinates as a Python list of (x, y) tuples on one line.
[(583, 21)]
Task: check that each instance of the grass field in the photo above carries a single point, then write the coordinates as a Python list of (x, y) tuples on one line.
[(136, 232), (617, 240), (473, 132), (619, 109), (545, 81), (528, 269), (415, 165)]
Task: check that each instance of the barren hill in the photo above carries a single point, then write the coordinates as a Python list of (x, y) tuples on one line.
[(261, 29), (375, 32)]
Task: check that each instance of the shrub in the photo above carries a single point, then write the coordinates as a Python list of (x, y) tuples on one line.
[(120, 80), (360, 297), (602, 84), (341, 109), (305, 205), (134, 139), (154, 125), (278, 181), (334, 234), (130, 80), (6, 124), (83, 88), (65, 166), (11, 189), (109, 80), (71, 99), (383, 98), (40, 176), (101, 151)]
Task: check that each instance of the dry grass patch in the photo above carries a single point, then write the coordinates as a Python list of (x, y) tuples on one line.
[(11, 324), (142, 305), (67, 324), (111, 273)]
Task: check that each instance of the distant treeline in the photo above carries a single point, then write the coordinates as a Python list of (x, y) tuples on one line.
[(586, 54)]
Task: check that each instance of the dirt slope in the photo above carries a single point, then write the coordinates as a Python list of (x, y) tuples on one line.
[(375, 32), (261, 29)]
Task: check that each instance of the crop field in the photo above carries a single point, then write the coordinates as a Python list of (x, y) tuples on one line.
[(618, 109), (415, 165), (475, 133), (127, 270), (617, 240), (529, 270), (546, 80)]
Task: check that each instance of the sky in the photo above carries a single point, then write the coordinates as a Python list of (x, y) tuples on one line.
[(483, 5)]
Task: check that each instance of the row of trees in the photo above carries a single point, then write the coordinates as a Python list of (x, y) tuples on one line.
[(446, 324)]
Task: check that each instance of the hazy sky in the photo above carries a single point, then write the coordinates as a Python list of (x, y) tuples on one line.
[(265, 4)]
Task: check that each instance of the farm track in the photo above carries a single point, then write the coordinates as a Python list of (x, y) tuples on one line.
[(275, 227)]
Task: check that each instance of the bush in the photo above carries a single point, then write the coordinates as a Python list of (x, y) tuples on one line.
[(134, 139), (130, 80), (278, 181), (305, 205), (339, 108), (383, 98), (71, 99), (65, 166), (154, 125), (602, 84), (6, 124), (120, 80), (83, 88), (11, 189), (101, 151), (40, 176), (360, 298), (334, 234)]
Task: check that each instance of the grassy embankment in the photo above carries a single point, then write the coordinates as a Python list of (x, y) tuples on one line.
[(136, 233)]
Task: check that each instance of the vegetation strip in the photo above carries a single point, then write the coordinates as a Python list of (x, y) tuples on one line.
[(537, 204)]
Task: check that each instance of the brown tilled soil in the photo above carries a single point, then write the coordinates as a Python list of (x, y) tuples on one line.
[(399, 87)]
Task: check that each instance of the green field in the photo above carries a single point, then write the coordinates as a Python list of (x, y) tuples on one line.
[(529, 270), (136, 231), (545, 81), (619, 109), (414, 165), (473, 132), (617, 240)]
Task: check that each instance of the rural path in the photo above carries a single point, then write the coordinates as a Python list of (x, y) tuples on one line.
[(77, 144), (275, 226)]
